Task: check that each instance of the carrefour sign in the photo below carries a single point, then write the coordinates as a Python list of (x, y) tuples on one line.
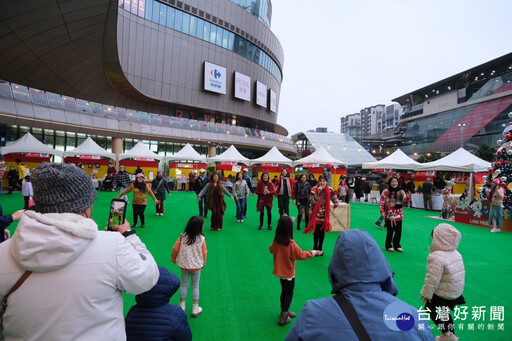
[(242, 86), (261, 94), (214, 78)]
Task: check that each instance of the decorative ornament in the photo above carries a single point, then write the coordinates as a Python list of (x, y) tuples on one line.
[(498, 164), (499, 142), (503, 179), (510, 114), (510, 186), (491, 170), (499, 152), (508, 137), (484, 178), (505, 197), (509, 152), (503, 184), (498, 172), (481, 189)]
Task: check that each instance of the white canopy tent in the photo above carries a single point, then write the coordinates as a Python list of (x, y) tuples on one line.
[(320, 156), (140, 150), (28, 144), (459, 161), (272, 156), (89, 147), (397, 160), (230, 155), (187, 153)]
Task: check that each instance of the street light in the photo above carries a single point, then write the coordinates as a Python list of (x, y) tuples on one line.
[(462, 125)]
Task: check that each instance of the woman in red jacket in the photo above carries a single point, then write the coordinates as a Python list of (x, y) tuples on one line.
[(392, 201), (265, 193)]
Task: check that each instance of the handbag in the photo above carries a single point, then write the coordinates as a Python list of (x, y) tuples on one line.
[(16, 285), (31, 202)]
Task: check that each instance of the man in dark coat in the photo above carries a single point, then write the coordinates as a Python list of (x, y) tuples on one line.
[(199, 183), (12, 178), (153, 318), (427, 194), (6, 220)]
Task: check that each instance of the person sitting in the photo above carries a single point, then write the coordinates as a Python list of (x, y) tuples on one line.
[(153, 318), (363, 282)]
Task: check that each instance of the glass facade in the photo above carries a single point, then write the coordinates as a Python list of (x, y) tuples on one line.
[(180, 21), (54, 100), (261, 9)]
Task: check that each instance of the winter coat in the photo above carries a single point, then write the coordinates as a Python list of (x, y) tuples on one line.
[(5, 220), (358, 269), (160, 191), (303, 194), (12, 177), (79, 274), (264, 200), (139, 197), (388, 204), (153, 318), (445, 267), (291, 193), (122, 179), (240, 189), (26, 189)]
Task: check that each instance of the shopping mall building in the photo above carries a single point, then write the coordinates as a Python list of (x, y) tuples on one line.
[(166, 72), (465, 110)]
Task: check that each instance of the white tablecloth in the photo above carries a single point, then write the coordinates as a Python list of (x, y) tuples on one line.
[(437, 201)]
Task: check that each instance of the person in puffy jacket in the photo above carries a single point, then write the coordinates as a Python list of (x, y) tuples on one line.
[(153, 318), (359, 270), (444, 282), (76, 274)]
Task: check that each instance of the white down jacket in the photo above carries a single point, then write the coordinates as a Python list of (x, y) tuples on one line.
[(445, 267), (79, 273)]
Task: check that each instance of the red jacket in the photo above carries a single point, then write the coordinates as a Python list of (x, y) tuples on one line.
[(264, 200), (387, 205)]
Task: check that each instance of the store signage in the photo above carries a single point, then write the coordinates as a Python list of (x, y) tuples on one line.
[(214, 78), (184, 165), (273, 101), (242, 86), (261, 94)]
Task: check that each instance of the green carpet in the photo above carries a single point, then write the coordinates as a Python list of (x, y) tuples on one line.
[(240, 296)]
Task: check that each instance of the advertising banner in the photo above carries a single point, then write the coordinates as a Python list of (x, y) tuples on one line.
[(214, 78), (273, 101), (261, 94), (242, 86)]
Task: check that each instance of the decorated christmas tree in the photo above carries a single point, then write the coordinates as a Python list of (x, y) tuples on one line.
[(501, 170)]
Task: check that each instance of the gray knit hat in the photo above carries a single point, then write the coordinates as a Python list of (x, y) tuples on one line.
[(62, 188)]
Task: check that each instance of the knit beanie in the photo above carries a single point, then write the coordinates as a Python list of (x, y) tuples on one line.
[(62, 188)]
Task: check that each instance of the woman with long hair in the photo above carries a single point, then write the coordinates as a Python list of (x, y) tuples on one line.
[(303, 195), (140, 200), (265, 192), (216, 203), (392, 201)]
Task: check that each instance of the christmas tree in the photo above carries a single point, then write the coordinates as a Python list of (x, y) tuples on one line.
[(501, 170)]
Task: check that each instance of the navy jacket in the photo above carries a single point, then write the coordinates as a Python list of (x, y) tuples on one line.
[(358, 269), (153, 318), (5, 220)]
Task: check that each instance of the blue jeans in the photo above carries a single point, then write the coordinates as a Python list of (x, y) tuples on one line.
[(241, 205)]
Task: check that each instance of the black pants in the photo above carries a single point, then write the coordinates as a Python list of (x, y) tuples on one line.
[(306, 218), (26, 198), (318, 238), (269, 215), (283, 202), (138, 211), (436, 301), (393, 234), (203, 209), (287, 293)]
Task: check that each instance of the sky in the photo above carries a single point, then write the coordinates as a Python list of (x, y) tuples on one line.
[(342, 56)]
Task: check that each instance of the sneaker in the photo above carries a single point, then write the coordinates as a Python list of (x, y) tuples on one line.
[(134, 226), (241, 220), (269, 227), (142, 226), (196, 310), (495, 230), (390, 249), (298, 228), (260, 227), (182, 305), (399, 249), (378, 225), (238, 220)]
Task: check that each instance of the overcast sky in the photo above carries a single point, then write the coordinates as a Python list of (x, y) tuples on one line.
[(342, 56)]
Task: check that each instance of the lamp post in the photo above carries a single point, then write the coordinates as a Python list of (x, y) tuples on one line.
[(462, 125)]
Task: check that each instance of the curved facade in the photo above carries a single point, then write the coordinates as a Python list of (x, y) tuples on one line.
[(151, 57)]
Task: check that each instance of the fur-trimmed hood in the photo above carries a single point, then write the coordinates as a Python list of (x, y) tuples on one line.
[(48, 242)]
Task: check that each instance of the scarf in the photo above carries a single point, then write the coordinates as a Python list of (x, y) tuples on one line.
[(140, 185), (220, 191), (286, 180), (326, 226)]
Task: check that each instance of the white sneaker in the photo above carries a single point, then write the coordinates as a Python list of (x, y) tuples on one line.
[(182, 305), (241, 220), (238, 220), (196, 310)]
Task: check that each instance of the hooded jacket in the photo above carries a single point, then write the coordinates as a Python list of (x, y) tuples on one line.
[(358, 269), (153, 318), (79, 273), (445, 267)]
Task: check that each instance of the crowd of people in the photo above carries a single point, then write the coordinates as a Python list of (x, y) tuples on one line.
[(61, 249)]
